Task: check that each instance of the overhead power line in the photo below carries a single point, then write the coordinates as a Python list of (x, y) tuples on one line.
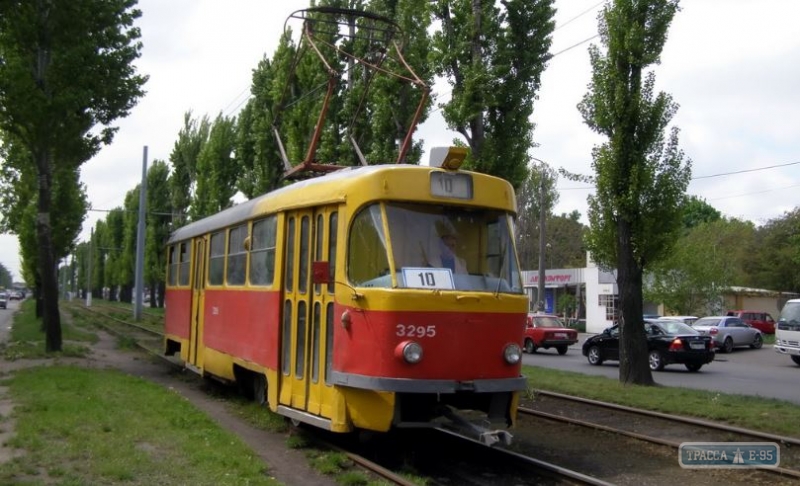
[(744, 171)]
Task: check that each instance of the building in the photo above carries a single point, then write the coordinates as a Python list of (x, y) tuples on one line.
[(592, 294)]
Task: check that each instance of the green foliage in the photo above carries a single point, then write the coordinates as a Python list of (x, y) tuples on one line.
[(773, 261), (216, 170), (66, 75), (704, 263), (493, 55), (183, 159), (539, 188), (640, 177), (697, 211)]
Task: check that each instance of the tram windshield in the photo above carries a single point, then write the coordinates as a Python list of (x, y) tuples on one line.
[(433, 246)]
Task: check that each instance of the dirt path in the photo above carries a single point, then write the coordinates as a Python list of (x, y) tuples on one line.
[(288, 466)]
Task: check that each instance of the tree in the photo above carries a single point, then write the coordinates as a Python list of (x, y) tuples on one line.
[(183, 159), (66, 74), (158, 229), (539, 186), (565, 234), (704, 263), (641, 180), (217, 170), (773, 262), (493, 55), (697, 211)]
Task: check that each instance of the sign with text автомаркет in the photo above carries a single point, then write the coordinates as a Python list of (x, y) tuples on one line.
[(693, 455)]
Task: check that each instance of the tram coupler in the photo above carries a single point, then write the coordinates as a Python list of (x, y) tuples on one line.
[(483, 435)]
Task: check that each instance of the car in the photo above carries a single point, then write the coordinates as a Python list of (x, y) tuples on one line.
[(3, 300), (547, 331), (684, 319), (761, 320), (15, 295), (668, 342), (729, 332)]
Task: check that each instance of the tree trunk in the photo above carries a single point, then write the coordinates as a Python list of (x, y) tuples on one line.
[(162, 288), (634, 368), (51, 318)]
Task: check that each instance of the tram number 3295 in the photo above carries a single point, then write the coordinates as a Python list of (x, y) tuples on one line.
[(410, 330)]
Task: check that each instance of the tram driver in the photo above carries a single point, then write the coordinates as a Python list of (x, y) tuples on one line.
[(448, 244)]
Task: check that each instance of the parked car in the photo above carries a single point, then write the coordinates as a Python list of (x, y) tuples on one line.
[(684, 319), (547, 331), (729, 332), (3, 300), (761, 320), (668, 342)]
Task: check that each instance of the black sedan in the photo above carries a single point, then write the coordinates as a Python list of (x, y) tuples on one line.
[(668, 342)]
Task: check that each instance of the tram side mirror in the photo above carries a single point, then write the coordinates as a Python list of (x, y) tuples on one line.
[(320, 272)]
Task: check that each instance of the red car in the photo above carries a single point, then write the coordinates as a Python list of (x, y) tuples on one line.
[(761, 320), (546, 331)]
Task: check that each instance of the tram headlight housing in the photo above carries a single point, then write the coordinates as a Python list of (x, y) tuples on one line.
[(512, 353), (410, 351)]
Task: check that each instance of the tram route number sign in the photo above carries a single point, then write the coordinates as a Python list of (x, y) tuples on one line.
[(428, 278), (698, 455)]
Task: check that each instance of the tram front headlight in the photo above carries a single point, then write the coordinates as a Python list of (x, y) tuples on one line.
[(512, 353), (411, 351)]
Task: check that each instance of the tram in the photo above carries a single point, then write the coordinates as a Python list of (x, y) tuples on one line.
[(337, 300), (370, 298)]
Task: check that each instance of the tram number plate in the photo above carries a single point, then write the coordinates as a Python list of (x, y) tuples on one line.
[(696, 345), (428, 278)]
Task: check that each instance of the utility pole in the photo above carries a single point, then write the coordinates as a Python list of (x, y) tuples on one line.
[(542, 248), (139, 273), (89, 271)]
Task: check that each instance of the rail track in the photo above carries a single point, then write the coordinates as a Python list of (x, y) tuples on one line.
[(147, 337), (657, 428), (642, 425)]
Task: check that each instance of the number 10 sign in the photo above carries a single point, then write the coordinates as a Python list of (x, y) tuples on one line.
[(428, 278)]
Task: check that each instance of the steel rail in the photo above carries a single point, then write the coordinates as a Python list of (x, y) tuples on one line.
[(646, 438)]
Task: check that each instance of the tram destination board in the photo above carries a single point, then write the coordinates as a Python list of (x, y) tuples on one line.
[(444, 184)]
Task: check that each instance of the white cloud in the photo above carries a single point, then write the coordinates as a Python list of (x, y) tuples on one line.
[(730, 65)]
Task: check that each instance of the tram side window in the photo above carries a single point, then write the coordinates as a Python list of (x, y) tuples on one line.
[(237, 255), (216, 264), (262, 251), (367, 257), (183, 279), (173, 265)]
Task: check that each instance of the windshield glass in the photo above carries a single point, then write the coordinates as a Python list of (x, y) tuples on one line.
[(433, 246), (676, 327), (790, 313)]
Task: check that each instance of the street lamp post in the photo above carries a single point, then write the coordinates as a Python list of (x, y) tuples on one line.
[(542, 214)]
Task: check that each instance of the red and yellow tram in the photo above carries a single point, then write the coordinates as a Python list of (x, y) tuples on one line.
[(370, 298)]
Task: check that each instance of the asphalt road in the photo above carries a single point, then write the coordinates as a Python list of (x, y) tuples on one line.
[(761, 372), (5, 319)]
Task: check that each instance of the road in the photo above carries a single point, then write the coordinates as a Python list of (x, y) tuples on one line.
[(5, 319), (760, 372)]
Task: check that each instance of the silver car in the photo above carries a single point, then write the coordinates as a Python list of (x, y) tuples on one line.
[(729, 332)]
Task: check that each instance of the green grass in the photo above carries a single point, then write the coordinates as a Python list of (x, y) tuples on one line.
[(80, 426), (768, 415), (145, 440), (27, 339)]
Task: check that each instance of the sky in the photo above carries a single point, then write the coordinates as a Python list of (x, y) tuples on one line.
[(731, 65)]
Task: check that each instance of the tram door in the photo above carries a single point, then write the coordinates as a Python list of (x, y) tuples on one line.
[(307, 331), (195, 357)]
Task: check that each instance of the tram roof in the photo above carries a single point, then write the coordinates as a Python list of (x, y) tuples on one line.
[(327, 189)]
